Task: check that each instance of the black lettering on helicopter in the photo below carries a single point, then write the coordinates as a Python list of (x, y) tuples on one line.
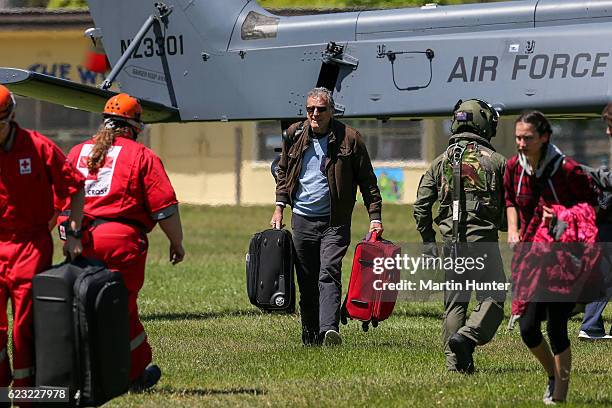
[(533, 66), (149, 47), (477, 69), (541, 66)]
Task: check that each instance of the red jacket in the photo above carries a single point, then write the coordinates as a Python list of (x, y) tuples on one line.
[(562, 267), (570, 186), (31, 172), (132, 185)]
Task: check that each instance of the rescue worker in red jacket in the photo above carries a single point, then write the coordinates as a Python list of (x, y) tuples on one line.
[(32, 170), (127, 192)]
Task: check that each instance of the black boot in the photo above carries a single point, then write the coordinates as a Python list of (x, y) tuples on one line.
[(311, 337), (463, 349)]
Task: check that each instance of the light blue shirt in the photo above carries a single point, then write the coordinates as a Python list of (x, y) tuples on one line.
[(312, 196)]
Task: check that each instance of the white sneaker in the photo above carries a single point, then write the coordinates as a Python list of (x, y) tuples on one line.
[(585, 336), (332, 338), (550, 388)]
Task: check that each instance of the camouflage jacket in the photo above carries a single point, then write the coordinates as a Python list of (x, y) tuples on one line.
[(482, 211)]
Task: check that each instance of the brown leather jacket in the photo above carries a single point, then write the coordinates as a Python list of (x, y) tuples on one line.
[(347, 167)]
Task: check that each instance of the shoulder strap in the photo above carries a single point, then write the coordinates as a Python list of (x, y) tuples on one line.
[(454, 155), (290, 135), (538, 188), (544, 179)]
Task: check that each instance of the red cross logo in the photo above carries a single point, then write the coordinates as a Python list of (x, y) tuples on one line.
[(25, 166)]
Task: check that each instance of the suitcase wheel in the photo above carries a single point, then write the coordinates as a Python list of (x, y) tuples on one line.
[(365, 326), (343, 319), (374, 323), (279, 301), (343, 314)]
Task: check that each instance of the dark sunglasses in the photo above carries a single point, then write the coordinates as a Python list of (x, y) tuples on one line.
[(311, 109)]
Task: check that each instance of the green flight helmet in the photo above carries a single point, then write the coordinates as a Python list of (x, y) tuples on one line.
[(475, 116)]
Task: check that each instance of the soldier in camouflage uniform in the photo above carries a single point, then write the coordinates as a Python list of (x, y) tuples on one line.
[(472, 213)]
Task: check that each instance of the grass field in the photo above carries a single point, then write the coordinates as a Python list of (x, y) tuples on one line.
[(215, 349)]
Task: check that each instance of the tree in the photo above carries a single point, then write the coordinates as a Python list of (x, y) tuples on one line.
[(70, 4)]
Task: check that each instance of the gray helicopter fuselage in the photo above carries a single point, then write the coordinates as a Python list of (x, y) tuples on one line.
[(232, 60)]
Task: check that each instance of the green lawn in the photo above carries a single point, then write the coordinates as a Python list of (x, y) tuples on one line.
[(215, 349)]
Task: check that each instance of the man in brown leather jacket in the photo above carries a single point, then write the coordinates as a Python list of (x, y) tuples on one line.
[(322, 163)]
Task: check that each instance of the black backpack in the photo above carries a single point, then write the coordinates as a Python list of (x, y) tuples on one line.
[(288, 140)]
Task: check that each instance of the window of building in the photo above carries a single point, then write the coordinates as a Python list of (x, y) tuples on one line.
[(395, 140), (267, 137), (583, 140), (66, 127)]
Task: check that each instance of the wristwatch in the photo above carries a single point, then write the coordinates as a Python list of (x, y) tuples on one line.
[(76, 233)]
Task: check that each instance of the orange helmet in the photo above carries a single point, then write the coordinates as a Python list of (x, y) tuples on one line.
[(7, 102), (123, 106)]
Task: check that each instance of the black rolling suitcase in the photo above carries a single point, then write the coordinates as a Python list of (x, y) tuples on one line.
[(81, 331), (269, 271)]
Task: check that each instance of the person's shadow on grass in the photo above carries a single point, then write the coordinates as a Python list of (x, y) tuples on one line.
[(198, 315), (200, 392)]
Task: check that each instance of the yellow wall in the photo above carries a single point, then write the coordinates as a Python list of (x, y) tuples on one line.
[(59, 53), (201, 161)]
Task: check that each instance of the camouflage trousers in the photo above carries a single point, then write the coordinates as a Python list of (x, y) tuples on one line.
[(488, 313)]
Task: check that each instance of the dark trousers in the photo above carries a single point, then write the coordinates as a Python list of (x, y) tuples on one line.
[(486, 317), (593, 323), (556, 315), (319, 249)]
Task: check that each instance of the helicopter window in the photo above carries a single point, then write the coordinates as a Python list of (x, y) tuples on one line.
[(257, 26)]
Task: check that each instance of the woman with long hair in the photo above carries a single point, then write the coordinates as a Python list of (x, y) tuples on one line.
[(537, 179), (127, 192)]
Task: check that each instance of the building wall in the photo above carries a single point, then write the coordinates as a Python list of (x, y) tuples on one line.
[(56, 52), (201, 159)]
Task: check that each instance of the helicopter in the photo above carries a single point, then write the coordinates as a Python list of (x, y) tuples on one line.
[(232, 60)]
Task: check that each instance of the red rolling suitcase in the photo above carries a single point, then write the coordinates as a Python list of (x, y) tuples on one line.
[(363, 301)]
